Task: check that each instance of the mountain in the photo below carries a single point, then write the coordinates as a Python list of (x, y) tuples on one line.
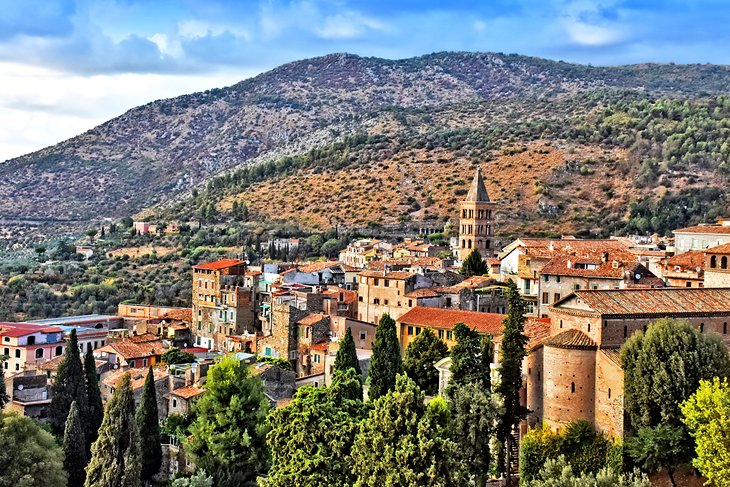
[(153, 155)]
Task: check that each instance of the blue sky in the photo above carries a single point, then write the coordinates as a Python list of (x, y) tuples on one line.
[(67, 65)]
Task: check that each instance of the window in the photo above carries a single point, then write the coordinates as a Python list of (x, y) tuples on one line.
[(688, 284), (59, 350), (386, 282), (174, 402), (267, 352), (418, 330), (626, 331), (131, 363), (572, 387), (385, 302), (546, 277), (441, 334), (316, 358), (6, 352), (410, 303), (363, 334), (576, 287), (702, 327), (557, 278), (359, 298), (723, 262), (39, 353), (556, 297), (144, 362), (7, 339), (594, 286), (17, 353), (31, 340), (713, 261), (449, 335), (410, 330), (376, 282), (561, 323), (589, 327), (724, 328), (448, 302), (376, 301), (545, 298), (609, 393)]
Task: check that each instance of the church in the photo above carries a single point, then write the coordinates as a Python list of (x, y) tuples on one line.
[(476, 227)]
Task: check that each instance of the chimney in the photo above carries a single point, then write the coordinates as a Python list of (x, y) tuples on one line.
[(605, 257)]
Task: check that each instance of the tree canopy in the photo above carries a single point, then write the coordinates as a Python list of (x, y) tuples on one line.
[(474, 265), (96, 409), (74, 449), (148, 425), (385, 362), (29, 455), (421, 355), (466, 363), (347, 354), (174, 356), (68, 386), (228, 435)]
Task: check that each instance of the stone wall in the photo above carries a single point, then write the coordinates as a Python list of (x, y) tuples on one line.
[(535, 374), (568, 385), (609, 396)]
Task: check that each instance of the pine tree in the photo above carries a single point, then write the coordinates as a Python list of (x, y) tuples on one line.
[(115, 456), (148, 425), (513, 351), (228, 436), (68, 386), (474, 265), (347, 355), (74, 449), (385, 363), (466, 363), (421, 355), (96, 409)]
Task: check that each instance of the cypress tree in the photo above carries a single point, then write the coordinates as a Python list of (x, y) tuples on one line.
[(4, 398), (68, 386), (347, 355), (115, 457), (466, 363), (96, 408), (386, 363), (148, 425), (514, 342), (74, 449)]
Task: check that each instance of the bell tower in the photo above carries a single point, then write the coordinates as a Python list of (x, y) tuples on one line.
[(476, 228)]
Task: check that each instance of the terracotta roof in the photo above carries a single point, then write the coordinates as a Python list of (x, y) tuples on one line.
[(474, 282), (195, 350), (188, 392), (537, 330), (347, 295), (395, 275), (22, 329), (322, 346), (253, 273), (546, 247), (138, 376), (612, 354), (720, 249), (571, 339), (659, 301), (379, 265), (423, 293), (691, 259), (143, 338), (320, 266), (447, 318), (311, 319), (51, 364), (130, 350), (616, 263), (717, 229), (220, 264), (182, 314)]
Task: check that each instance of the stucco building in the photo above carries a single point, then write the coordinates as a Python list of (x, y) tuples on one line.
[(702, 237), (717, 266), (684, 270)]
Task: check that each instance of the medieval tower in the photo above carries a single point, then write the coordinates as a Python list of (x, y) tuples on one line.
[(475, 221)]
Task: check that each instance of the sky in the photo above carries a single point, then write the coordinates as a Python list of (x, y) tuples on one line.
[(68, 65)]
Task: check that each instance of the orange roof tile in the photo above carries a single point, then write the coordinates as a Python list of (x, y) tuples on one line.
[(321, 346), (612, 354), (130, 350), (691, 259), (138, 376), (182, 314), (617, 262), (447, 318), (320, 266), (426, 292), (717, 229), (395, 275), (720, 249), (571, 339), (188, 392), (220, 264), (143, 338), (537, 330), (311, 319), (658, 301)]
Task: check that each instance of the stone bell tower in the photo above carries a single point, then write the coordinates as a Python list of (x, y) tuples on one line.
[(476, 227)]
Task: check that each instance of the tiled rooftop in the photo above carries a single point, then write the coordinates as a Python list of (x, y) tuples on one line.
[(571, 339), (447, 318), (656, 301)]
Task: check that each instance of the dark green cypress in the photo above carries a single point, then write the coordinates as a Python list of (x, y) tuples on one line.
[(474, 265), (96, 408), (68, 386), (347, 355), (74, 449), (420, 357), (386, 362), (466, 364), (148, 425)]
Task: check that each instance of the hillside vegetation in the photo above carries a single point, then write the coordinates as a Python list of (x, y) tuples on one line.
[(585, 132)]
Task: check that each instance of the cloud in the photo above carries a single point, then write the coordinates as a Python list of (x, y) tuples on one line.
[(348, 25), (592, 35)]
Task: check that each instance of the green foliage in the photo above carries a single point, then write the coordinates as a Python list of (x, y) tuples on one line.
[(663, 366), (475, 414), (707, 415), (4, 398), (199, 479), (558, 473), (311, 437), (29, 456), (386, 362), (421, 355), (513, 351), (279, 362), (584, 450), (115, 455), (474, 265), (174, 356), (74, 449), (405, 442), (662, 447), (466, 362), (346, 357), (95, 413), (148, 425), (68, 386), (228, 435)]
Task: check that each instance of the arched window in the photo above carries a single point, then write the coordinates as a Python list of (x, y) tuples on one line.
[(626, 331), (723, 262), (59, 350), (479, 244), (702, 327), (713, 261), (39, 353), (609, 393), (31, 340), (489, 244), (561, 323), (589, 327), (572, 387), (463, 243), (468, 243)]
